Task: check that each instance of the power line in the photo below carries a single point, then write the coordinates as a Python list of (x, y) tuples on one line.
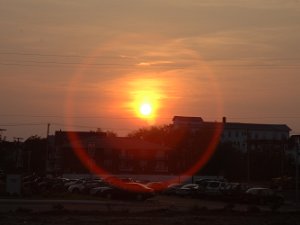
[(125, 118), (89, 127), (267, 117), (129, 66), (33, 63), (122, 57), (73, 116), (62, 125), (21, 124), (67, 63), (90, 65), (61, 55)]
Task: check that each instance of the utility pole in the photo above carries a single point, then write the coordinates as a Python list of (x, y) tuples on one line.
[(18, 155), (283, 159), (248, 156), (48, 130), (297, 166), (18, 139), (1, 130), (47, 148)]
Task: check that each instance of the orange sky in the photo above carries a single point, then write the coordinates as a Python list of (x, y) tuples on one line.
[(88, 64)]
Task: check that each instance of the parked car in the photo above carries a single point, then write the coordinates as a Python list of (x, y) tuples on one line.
[(172, 188), (129, 191), (158, 187), (234, 192), (70, 182), (84, 186), (2, 175), (113, 179), (58, 184), (187, 190), (260, 195), (98, 191), (45, 184), (204, 181), (214, 188), (283, 183)]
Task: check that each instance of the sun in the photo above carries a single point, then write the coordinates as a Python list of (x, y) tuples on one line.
[(144, 101), (145, 109)]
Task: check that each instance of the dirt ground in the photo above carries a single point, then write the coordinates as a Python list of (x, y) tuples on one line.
[(158, 211), (161, 217)]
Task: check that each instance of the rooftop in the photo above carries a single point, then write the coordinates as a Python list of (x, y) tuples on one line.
[(257, 126)]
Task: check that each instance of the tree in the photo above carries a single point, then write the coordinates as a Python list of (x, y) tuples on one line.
[(155, 134), (35, 154), (227, 161), (189, 148), (8, 156)]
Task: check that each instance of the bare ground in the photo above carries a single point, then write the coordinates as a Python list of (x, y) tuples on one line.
[(158, 211), (157, 217)]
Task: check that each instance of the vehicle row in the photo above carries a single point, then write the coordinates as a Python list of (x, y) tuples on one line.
[(128, 188), (225, 191), (111, 188)]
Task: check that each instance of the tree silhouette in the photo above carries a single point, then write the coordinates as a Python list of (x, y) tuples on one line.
[(35, 155)]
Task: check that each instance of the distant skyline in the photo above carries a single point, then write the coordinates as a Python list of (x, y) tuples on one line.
[(91, 64)]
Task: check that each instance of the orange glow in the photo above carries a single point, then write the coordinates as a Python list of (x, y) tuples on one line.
[(145, 98)]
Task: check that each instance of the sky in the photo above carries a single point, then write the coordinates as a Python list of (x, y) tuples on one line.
[(83, 65)]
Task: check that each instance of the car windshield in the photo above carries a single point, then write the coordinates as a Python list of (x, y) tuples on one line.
[(214, 184)]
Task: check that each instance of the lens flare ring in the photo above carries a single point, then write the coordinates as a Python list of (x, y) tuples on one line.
[(145, 110)]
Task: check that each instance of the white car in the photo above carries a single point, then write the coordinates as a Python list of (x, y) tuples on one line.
[(214, 187), (261, 195), (69, 183), (97, 191), (83, 186), (187, 190)]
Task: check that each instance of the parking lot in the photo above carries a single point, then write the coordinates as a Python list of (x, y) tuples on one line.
[(46, 194)]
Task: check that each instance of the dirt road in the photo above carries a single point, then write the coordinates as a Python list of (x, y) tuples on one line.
[(158, 211), (160, 217)]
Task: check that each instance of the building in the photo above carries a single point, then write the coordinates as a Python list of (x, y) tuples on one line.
[(114, 155), (240, 135), (250, 135), (293, 149), (189, 122)]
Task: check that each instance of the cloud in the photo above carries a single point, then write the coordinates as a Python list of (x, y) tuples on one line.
[(153, 63), (253, 4)]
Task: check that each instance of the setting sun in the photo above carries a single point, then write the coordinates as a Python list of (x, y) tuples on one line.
[(145, 97), (145, 109)]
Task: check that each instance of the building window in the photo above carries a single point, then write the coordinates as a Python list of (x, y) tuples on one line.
[(91, 149), (107, 163), (161, 166), (123, 153), (237, 134), (107, 152), (160, 155), (283, 137), (125, 165), (229, 134)]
